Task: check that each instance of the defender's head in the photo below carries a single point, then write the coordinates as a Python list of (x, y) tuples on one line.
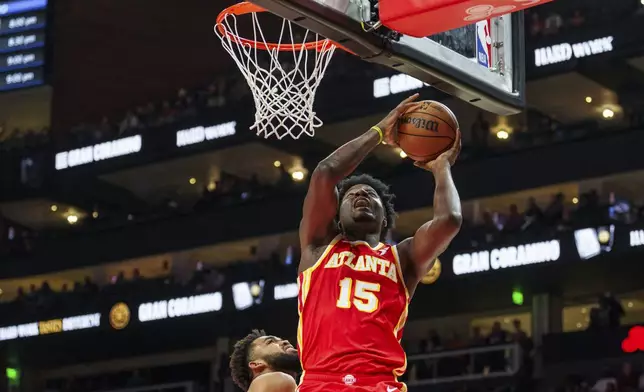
[(366, 206), (259, 353)]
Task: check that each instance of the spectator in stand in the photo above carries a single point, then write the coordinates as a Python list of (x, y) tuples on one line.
[(89, 287), (136, 275), (523, 340), (628, 379), (553, 24), (489, 228), (533, 214), (607, 383), (536, 25), (577, 19), (497, 336), (554, 213), (477, 338), (119, 278), (434, 341), (514, 221), (612, 309)]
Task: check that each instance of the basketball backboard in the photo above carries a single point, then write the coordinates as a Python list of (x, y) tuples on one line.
[(481, 63)]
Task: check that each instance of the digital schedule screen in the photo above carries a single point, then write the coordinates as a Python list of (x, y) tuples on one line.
[(22, 43)]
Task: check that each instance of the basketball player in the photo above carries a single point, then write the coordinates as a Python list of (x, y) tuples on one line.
[(354, 289), (263, 363)]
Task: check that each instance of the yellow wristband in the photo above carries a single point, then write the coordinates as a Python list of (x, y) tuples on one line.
[(377, 129)]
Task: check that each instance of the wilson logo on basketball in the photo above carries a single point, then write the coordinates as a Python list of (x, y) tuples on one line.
[(420, 123)]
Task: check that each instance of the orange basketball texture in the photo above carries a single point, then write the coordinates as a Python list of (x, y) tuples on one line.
[(427, 130)]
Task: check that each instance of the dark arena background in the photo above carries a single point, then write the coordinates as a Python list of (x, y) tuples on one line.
[(144, 228)]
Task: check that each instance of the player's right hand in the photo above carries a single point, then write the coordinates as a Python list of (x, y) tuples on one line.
[(389, 124)]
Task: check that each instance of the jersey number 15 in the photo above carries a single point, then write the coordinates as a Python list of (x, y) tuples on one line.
[(364, 297)]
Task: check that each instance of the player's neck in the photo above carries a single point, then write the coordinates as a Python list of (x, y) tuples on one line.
[(373, 239)]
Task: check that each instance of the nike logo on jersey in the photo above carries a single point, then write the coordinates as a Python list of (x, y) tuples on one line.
[(363, 263), (383, 251), (392, 389)]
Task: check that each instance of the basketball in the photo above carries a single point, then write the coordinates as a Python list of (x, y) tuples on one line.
[(427, 130)]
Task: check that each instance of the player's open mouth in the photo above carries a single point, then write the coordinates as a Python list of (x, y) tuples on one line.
[(362, 203)]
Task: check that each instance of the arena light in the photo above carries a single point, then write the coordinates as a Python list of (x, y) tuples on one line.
[(192, 180), (608, 113), (589, 99), (298, 175), (575, 200), (54, 208), (502, 135), (95, 214), (72, 219)]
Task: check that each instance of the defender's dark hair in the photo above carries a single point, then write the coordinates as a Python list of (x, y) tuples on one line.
[(240, 357), (381, 189)]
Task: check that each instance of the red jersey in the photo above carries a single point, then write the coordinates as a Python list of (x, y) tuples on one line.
[(353, 307)]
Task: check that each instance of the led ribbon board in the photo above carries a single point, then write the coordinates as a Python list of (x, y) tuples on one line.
[(508, 257)]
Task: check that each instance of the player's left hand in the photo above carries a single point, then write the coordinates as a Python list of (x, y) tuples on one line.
[(388, 125), (447, 158)]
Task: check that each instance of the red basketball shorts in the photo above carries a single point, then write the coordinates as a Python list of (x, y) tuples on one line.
[(333, 382)]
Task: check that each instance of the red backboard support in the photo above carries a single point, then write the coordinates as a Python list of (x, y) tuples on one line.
[(424, 18)]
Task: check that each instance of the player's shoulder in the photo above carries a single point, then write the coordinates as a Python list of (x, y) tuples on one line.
[(312, 254), (273, 382)]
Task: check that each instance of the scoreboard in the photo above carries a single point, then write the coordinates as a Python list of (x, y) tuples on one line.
[(22, 43)]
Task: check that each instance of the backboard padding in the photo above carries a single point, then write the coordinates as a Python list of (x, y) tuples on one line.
[(400, 55)]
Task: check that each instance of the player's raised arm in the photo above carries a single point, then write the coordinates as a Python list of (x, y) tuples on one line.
[(432, 238), (321, 203)]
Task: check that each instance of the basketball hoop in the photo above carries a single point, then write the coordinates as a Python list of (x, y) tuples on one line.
[(283, 97)]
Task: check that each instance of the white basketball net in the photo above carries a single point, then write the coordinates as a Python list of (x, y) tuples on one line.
[(283, 97)]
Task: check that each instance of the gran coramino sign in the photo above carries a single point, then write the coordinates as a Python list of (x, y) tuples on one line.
[(98, 152), (509, 257), (187, 137), (563, 52), (179, 307)]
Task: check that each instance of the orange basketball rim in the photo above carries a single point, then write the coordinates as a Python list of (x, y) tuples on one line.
[(245, 8)]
